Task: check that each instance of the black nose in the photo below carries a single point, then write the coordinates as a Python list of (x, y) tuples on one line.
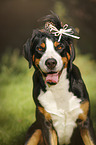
[(51, 63)]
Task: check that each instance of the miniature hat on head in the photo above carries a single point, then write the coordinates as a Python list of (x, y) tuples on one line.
[(55, 27)]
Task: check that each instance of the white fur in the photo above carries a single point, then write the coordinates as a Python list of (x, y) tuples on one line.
[(50, 53), (63, 106)]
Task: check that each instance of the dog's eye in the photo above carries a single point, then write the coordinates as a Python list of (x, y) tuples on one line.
[(40, 49), (59, 48)]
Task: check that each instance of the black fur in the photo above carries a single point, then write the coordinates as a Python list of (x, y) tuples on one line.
[(54, 19)]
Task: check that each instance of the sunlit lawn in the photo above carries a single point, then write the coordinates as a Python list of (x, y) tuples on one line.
[(16, 104)]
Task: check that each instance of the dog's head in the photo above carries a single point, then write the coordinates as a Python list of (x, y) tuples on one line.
[(47, 54)]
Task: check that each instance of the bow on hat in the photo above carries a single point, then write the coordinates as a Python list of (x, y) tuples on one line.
[(63, 31)]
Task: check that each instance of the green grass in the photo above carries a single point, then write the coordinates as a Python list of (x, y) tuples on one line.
[(16, 104)]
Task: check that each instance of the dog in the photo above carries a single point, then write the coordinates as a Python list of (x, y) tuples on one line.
[(60, 95)]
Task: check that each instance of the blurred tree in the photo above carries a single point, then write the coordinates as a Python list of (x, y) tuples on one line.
[(82, 13), (19, 17)]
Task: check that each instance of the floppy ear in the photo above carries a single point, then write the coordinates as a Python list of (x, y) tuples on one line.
[(26, 52), (27, 48)]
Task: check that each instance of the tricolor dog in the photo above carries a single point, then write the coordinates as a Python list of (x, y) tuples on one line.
[(61, 99)]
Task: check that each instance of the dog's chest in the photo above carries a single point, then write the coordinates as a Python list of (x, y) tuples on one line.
[(63, 106)]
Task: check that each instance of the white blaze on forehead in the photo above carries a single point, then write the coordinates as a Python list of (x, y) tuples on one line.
[(50, 48), (50, 53)]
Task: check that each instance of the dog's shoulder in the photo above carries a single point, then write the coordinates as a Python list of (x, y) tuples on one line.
[(75, 72)]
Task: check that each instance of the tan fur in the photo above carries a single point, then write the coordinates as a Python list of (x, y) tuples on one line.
[(85, 107), (33, 58), (56, 43), (68, 56), (37, 62), (35, 139), (45, 113), (86, 137), (53, 137), (42, 45), (65, 61)]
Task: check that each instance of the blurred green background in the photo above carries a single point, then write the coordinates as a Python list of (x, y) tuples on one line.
[(18, 18)]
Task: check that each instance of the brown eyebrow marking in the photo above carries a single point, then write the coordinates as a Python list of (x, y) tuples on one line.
[(56, 44), (42, 45)]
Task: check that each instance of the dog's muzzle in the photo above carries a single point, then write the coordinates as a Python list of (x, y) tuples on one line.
[(51, 77)]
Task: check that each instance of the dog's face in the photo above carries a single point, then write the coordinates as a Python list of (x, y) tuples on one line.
[(48, 55)]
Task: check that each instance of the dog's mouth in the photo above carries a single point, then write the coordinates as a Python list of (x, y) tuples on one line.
[(52, 78)]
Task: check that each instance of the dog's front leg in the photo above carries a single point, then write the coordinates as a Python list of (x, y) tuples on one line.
[(49, 134), (86, 136), (85, 125)]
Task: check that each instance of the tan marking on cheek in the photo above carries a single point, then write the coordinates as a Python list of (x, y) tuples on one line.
[(45, 113), (68, 56), (33, 58), (56, 44), (34, 140), (37, 61), (70, 47), (85, 107), (42, 45), (65, 61)]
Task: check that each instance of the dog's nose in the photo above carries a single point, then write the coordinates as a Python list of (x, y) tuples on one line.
[(51, 63)]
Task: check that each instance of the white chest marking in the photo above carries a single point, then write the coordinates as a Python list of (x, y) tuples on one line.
[(63, 106)]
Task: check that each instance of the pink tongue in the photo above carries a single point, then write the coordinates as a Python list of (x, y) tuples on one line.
[(52, 78)]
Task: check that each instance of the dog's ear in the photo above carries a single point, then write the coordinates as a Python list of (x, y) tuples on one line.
[(26, 52), (72, 52), (27, 48)]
